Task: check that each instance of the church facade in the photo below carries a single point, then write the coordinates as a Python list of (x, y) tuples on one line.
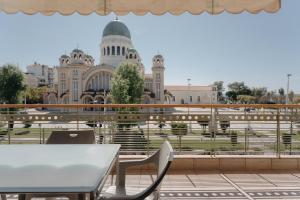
[(80, 80)]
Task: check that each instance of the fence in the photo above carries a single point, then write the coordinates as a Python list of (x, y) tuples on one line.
[(192, 129)]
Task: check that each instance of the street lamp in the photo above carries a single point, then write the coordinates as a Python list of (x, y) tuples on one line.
[(189, 100), (287, 88)]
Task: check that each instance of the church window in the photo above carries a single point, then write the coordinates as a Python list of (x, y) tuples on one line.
[(79, 56), (130, 56), (75, 91), (113, 50), (157, 77), (75, 72), (135, 56), (75, 55), (158, 90), (123, 51), (118, 50), (108, 51)]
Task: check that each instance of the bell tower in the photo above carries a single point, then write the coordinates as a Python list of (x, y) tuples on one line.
[(158, 75)]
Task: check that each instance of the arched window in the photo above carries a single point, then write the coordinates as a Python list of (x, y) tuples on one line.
[(123, 51), (113, 50), (135, 56), (130, 56), (108, 51), (79, 56), (118, 50), (75, 55)]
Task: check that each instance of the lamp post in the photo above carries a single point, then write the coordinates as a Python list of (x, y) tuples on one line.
[(287, 88), (189, 101)]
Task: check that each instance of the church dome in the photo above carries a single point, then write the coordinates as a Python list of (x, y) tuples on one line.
[(77, 51), (116, 28)]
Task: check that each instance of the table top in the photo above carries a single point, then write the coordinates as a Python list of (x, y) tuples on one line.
[(55, 168)]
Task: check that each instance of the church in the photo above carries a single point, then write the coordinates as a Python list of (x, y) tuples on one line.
[(80, 80)]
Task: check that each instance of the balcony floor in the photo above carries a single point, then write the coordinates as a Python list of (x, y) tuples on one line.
[(214, 185)]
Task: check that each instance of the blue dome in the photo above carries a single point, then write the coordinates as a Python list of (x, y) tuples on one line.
[(116, 28)]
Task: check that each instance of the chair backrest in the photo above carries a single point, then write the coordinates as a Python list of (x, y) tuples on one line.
[(72, 137), (164, 157)]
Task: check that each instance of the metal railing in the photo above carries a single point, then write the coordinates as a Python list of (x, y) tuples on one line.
[(192, 129)]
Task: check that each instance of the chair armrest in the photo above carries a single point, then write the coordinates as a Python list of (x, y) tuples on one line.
[(123, 165)]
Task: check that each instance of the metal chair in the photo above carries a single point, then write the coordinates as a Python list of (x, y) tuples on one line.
[(66, 137), (161, 158)]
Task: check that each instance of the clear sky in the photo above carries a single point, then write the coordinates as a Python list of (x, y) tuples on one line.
[(258, 49)]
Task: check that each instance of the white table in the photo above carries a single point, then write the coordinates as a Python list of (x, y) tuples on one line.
[(48, 168)]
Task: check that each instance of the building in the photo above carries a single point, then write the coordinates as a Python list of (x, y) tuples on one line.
[(38, 75), (192, 94), (80, 80)]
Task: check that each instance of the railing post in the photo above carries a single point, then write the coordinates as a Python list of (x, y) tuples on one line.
[(8, 129), (40, 138), (43, 136), (246, 141), (278, 133), (77, 117), (148, 132), (40, 129)]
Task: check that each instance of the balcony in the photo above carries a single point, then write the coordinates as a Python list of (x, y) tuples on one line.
[(222, 151)]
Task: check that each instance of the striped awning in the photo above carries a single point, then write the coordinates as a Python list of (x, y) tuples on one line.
[(138, 7)]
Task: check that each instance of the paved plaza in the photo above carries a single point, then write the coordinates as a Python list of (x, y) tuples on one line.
[(183, 185)]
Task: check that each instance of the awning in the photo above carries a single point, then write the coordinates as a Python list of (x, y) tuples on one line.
[(138, 7)]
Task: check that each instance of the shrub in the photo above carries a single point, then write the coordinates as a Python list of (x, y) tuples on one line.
[(233, 138), (179, 128), (286, 139)]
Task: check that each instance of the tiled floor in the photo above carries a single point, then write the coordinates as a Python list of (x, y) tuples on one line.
[(183, 185)]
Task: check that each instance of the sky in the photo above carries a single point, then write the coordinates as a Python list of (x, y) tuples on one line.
[(258, 49)]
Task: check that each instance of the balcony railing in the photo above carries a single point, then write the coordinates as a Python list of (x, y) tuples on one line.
[(192, 129)]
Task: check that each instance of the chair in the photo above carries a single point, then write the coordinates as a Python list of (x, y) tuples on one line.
[(3, 196), (67, 137), (161, 158), (72, 137)]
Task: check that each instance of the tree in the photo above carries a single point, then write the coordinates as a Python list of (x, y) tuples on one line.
[(127, 85), (220, 89), (34, 95), (291, 96), (237, 88), (246, 99), (258, 93), (11, 84), (281, 95)]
